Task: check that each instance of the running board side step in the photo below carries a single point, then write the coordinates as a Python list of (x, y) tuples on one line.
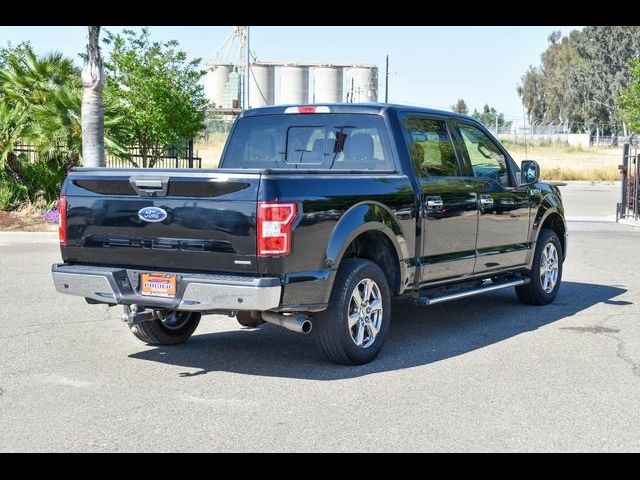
[(424, 300)]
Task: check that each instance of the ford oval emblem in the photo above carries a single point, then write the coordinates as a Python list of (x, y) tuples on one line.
[(152, 214)]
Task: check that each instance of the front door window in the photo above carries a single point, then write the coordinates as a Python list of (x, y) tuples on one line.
[(487, 161)]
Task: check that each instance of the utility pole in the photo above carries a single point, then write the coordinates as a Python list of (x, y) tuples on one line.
[(386, 82), (247, 73)]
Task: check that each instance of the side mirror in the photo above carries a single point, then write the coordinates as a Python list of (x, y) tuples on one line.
[(529, 172)]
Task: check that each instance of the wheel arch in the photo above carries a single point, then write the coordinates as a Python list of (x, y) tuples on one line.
[(554, 221), (363, 226), (550, 215)]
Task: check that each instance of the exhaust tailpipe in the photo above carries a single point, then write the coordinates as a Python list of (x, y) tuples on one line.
[(296, 323)]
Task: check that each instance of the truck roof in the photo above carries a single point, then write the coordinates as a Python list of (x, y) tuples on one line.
[(356, 108)]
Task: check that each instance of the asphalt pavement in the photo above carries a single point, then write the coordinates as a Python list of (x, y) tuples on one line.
[(479, 374)]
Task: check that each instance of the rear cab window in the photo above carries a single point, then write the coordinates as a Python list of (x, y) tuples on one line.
[(309, 141)]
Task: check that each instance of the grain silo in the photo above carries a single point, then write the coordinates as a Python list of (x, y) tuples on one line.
[(362, 84), (327, 84), (232, 90), (261, 86), (215, 82), (294, 84)]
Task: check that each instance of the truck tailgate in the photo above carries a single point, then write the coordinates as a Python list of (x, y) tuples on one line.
[(209, 225)]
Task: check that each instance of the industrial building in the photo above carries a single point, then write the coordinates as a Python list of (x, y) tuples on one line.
[(280, 83)]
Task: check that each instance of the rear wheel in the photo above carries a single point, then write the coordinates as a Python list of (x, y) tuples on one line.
[(172, 328), (546, 271), (354, 327)]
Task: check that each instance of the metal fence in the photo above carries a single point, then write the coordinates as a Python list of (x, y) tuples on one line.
[(26, 150), (182, 157), (614, 140), (629, 206)]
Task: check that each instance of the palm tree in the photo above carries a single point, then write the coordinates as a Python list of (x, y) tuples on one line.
[(13, 123), (92, 112), (28, 80)]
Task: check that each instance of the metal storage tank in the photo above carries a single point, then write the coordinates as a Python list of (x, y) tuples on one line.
[(294, 84), (215, 82), (363, 84), (261, 85), (232, 91), (327, 84)]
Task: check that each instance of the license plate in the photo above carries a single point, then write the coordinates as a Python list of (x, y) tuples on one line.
[(157, 285)]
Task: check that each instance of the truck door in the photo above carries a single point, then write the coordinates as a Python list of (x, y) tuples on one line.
[(503, 206), (448, 210)]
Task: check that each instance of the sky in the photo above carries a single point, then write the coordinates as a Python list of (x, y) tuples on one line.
[(429, 66)]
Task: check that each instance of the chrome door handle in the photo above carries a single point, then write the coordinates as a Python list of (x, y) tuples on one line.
[(486, 201), (434, 203)]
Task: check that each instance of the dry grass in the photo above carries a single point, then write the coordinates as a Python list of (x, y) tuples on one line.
[(562, 163), (211, 150)]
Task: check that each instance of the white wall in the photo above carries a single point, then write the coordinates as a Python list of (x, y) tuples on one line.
[(573, 139)]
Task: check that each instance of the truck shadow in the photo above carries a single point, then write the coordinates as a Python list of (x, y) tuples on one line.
[(418, 336)]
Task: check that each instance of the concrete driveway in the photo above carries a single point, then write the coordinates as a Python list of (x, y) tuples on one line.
[(481, 374)]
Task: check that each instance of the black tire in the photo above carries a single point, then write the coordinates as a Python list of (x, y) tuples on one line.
[(331, 327), (156, 332), (250, 319), (534, 293)]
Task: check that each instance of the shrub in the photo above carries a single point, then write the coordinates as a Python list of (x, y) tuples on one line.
[(11, 194), (32, 182)]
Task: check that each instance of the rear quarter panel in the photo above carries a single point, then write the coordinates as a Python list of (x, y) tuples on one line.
[(333, 210)]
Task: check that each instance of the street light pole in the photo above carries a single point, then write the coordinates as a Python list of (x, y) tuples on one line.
[(386, 82), (247, 73)]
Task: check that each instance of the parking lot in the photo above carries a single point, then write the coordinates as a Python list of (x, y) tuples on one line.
[(479, 374)]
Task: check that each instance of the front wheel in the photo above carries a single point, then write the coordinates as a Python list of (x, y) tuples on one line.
[(172, 328), (546, 271), (354, 327)]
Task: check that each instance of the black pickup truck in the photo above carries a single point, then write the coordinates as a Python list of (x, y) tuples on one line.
[(318, 216)]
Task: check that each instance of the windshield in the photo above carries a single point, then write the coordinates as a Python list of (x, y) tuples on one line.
[(322, 141)]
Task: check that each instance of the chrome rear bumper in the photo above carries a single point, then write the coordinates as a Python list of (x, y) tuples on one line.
[(196, 292)]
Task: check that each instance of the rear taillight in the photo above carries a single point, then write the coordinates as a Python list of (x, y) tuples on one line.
[(275, 222), (62, 220)]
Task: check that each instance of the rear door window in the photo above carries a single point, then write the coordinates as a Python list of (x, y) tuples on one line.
[(430, 147), (322, 141)]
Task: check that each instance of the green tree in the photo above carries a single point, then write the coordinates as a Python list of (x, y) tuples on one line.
[(160, 89), (29, 84), (460, 107), (629, 99), (48, 90), (13, 123), (40, 104), (488, 117), (27, 80), (531, 90), (580, 77)]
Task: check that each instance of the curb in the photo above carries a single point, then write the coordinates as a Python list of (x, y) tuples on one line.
[(607, 219), (9, 238), (629, 222)]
